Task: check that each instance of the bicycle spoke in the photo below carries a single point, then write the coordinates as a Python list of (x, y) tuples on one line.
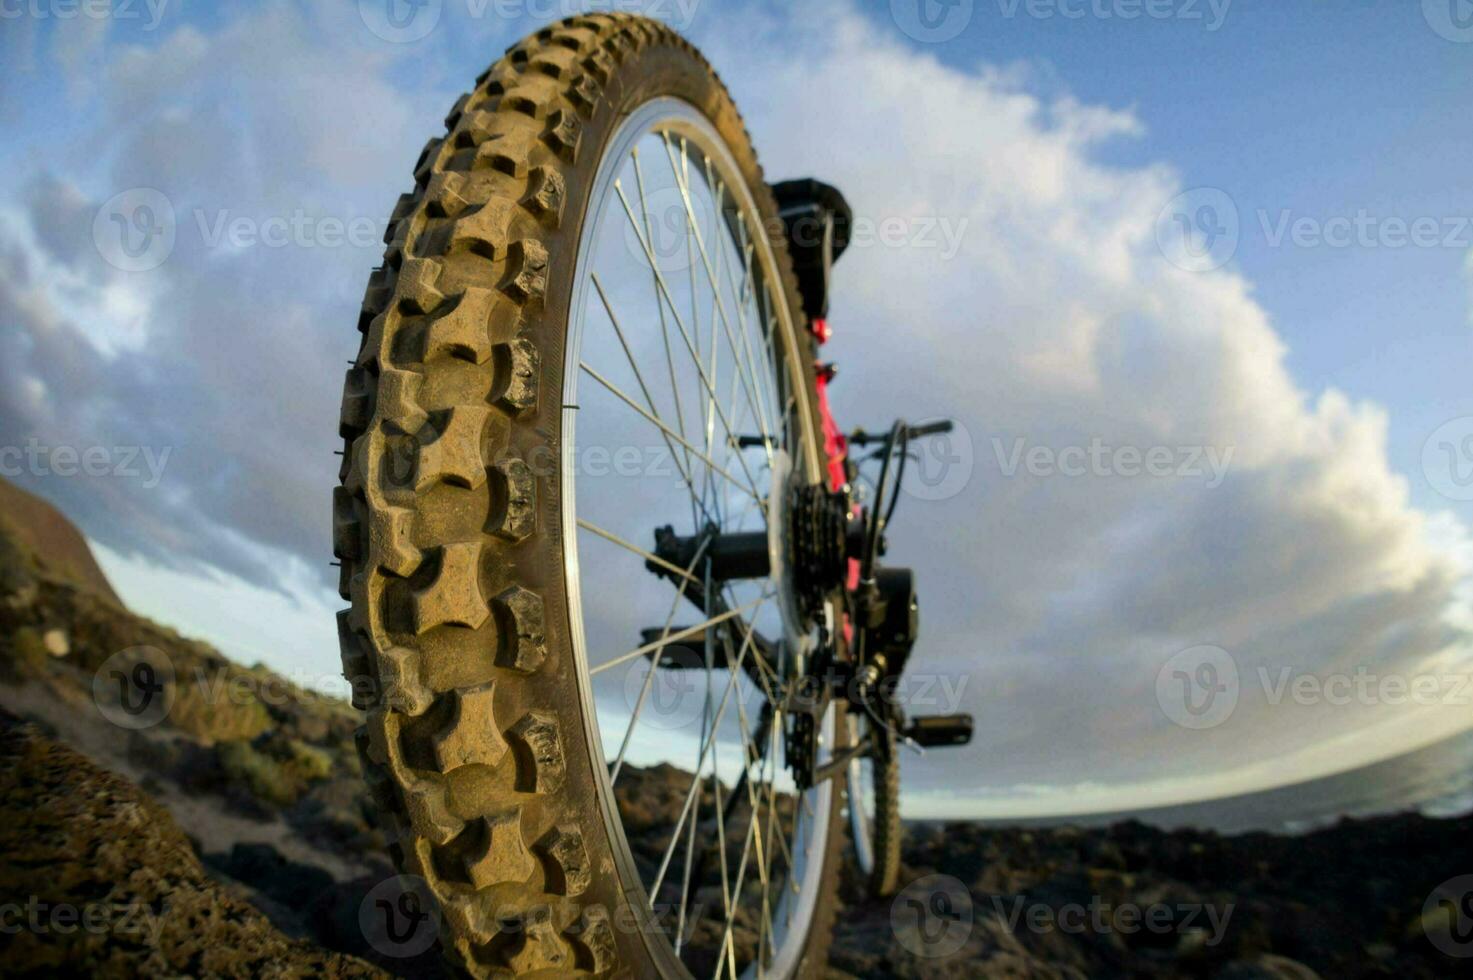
[(684, 333), (610, 536), (753, 830), (720, 712), (649, 399), (644, 691), (659, 307), (720, 306), (684, 634), (740, 297), (618, 393)]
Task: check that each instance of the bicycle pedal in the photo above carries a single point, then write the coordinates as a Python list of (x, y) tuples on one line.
[(936, 731)]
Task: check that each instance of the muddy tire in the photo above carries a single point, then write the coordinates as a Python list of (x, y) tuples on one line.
[(457, 641)]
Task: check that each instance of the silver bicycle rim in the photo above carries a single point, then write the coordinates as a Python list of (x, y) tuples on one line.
[(859, 815), (792, 913)]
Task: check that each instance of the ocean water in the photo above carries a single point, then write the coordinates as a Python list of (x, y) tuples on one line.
[(1436, 781)]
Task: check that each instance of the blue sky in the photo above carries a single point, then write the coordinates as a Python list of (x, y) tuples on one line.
[(1049, 146)]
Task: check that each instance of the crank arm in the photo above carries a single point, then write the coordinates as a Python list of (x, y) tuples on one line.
[(841, 761)]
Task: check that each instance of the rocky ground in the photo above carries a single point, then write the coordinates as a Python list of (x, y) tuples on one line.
[(1346, 901), (103, 883), (235, 838)]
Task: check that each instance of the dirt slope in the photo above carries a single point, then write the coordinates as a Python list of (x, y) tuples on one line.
[(49, 538)]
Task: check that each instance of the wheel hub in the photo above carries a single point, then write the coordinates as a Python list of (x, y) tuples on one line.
[(818, 538)]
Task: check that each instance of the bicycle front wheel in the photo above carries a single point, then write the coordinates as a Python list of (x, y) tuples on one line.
[(590, 269)]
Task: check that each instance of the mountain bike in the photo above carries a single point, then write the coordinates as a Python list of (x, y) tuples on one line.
[(588, 449)]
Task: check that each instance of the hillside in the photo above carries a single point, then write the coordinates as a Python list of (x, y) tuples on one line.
[(46, 536), (242, 812)]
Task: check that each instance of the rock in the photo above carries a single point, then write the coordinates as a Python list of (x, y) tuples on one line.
[(111, 885), (28, 656), (1381, 951), (17, 596), (334, 919), (1267, 967), (56, 643), (265, 870)]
